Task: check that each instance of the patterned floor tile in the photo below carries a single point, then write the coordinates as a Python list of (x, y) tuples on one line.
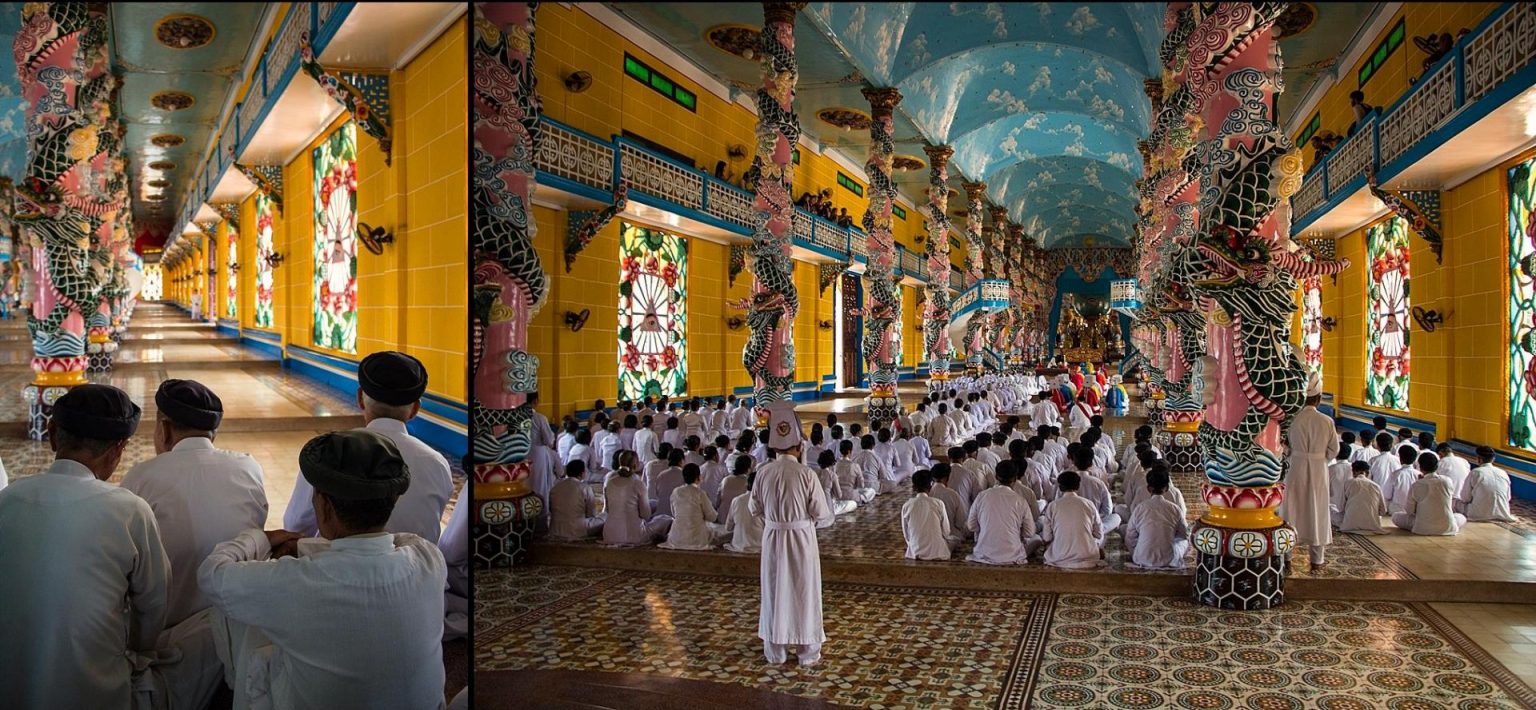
[(887, 647)]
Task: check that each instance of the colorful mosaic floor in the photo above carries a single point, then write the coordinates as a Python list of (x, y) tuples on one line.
[(893, 647)]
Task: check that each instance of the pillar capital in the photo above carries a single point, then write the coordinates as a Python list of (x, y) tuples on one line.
[(781, 12), (939, 155), (974, 190), (882, 100), (999, 217)]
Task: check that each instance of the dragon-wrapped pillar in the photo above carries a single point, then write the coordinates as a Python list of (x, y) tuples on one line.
[(769, 355), (510, 284), (996, 267), (936, 318), (975, 216), (882, 308)]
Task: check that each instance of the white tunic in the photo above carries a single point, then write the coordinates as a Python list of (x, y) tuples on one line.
[(324, 615), (572, 511), (730, 489), (645, 446), (1486, 494), (691, 515), (1157, 534), (1339, 476), (746, 528), (1457, 470), (1382, 467), (201, 496), (1072, 530), (1363, 453), (1428, 511), (711, 475), (1362, 508), (789, 498), (1044, 413), (1398, 485), (1002, 521), (1313, 443), (740, 420), (661, 487), (84, 583), (939, 437), (955, 506), (925, 525), (419, 511)]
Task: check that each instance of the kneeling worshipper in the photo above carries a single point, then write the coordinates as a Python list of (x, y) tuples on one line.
[(85, 581), (572, 507), (744, 528), (629, 520), (1485, 496), (1157, 534), (1073, 532), (355, 621), (790, 499), (390, 386), (1004, 523), (1361, 505), (1428, 510), (924, 522), (201, 496), (693, 516)]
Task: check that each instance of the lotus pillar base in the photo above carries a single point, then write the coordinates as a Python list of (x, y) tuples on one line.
[(1180, 444), (506, 515), (1243, 549), (45, 389), (97, 363), (882, 404)]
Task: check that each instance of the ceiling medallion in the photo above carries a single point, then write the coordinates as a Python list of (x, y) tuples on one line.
[(1296, 19), (845, 118), (184, 31), (172, 101), (167, 140), (736, 40), (162, 165), (907, 163), (158, 183)]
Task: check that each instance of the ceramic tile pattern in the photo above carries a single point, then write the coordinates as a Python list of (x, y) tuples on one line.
[(892, 647)]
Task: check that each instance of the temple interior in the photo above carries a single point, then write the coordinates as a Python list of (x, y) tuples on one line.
[(254, 196), (1208, 220)]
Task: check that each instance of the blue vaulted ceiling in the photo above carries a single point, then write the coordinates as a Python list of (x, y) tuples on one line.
[(13, 108)]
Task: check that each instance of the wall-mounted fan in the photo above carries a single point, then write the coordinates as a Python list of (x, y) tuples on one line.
[(1329, 323), (575, 321), (1428, 320), (274, 259), (374, 238)]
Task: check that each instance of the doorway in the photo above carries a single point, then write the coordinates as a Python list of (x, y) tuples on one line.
[(845, 345)]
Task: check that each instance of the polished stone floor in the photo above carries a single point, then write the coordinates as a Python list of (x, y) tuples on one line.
[(891, 647)]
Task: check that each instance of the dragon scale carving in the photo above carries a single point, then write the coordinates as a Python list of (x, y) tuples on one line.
[(882, 310), (937, 316)]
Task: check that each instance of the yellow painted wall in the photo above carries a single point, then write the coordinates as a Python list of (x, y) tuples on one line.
[(1392, 79)]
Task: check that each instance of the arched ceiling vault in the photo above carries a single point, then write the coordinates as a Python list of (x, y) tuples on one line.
[(1042, 101)]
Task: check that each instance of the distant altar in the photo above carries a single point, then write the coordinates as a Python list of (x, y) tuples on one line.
[(1087, 331)]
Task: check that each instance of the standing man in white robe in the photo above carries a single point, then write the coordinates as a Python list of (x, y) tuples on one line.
[(788, 496), (85, 581), (1313, 442), (201, 496), (390, 386), (356, 623)]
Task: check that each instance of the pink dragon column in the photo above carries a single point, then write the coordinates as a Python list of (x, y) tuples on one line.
[(510, 284), (882, 308), (769, 355), (974, 217), (936, 318)]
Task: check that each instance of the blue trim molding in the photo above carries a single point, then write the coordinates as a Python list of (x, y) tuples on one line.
[(1522, 479), (442, 423), (1363, 418)]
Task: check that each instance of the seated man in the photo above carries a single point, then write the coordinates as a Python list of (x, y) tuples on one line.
[(744, 526), (837, 500), (311, 632), (1073, 532), (1093, 489), (85, 579), (871, 462), (955, 504), (454, 544), (1399, 481), (1454, 467), (1361, 504), (732, 487), (1157, 534), (692, 515), (1428, 511), (629, 520), (572, 507), (201, 496), (924, 522), (1486, 494), (390, 386), (659, 488), (1339, 473), (1384, 463), (1003, 522)]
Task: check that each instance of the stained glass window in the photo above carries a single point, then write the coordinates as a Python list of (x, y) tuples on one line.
[(335, 304), (1312, 324), (1386, 377), (231, 293), (1522, 304), (653, 313), (264, 210), (152, 289)]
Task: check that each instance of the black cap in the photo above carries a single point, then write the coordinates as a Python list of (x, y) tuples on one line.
[(190, 404), (97, 412), (392, 378), (357, 464)]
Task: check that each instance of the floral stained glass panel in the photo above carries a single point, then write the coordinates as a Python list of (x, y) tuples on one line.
[(264, 214), (653, 313), (1387, 373), (335, 304), (231, 292), (153, 286), (1312, 324), (1522, 305)]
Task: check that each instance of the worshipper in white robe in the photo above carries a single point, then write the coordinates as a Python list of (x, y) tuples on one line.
[(760, 449), (607, 443), (955, 505), (1406, 440), (1003, 523), (1366, 450), (1400, 481), (692, 423), (984, 453), (1134, 481), (693, 516), (885, 449), (740, 417), (920, 418), (1383, 464), (837, 500), (966, 480), (1073, 529), (672, 433), (1429, 509), (454, 544), (1091, 487), (660, 486), (582, 451), (940, 436), (1486, 494), (790, 500), (1454, 467), (629, 520), (871, 462), (1128, 454), (922, 453), (1362, 503), (711, 475), (860, 485), (543, 465), (905, 457), (201, 496), (646, 442), (354, 621), (960, 421), (390, 387), (987, 474), (1079, 418), (744, 526), (627, 432), (732, 488), (924, 522), (1158, 533), (1312, 442), (1056, 448), (572, 507), (566, 440), (1043, 412), (1339, 474), (815, 446), (84, 579)]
